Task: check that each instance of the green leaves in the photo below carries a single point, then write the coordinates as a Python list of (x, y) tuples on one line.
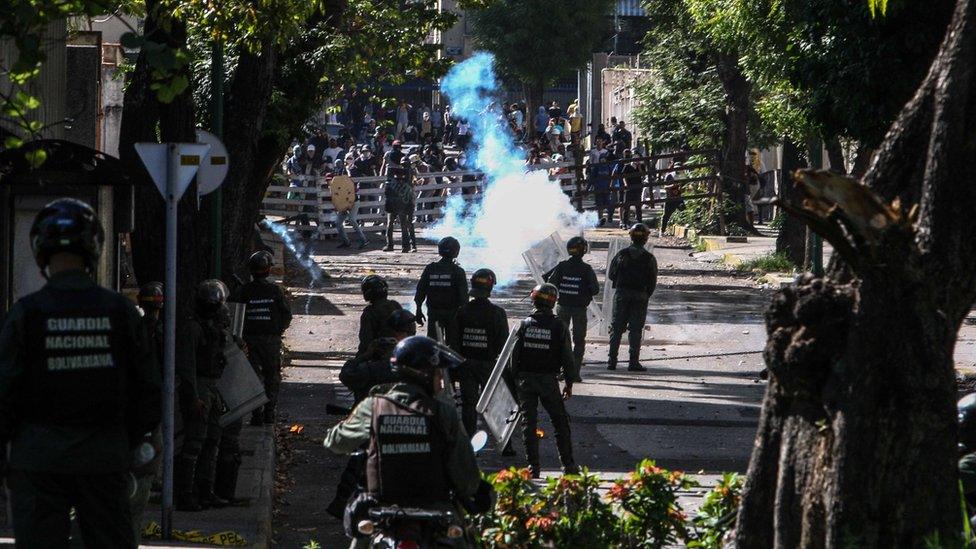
[(878, 7)]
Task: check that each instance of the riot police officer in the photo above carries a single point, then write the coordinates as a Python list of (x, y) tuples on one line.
[(543, 351), (78, 390), (373, 321), (577, 284), (266, 317), (150, 300), (419, 453), (967, 448), (360, 374), (482, 328), (199, 371), (444, 286), (633, 272)]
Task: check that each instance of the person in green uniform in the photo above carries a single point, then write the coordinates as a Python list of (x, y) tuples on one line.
[(577, 284), (199, 370), (266, 317), (419, 453), (967, 449), (633, 272), (373, 321), (150, 301), (78, 391), (482, 328), (444, 286), (542, 351)]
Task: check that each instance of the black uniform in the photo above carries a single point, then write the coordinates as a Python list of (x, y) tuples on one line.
[(482, 328), (634, 274), (266, 318), (373, 322), (577, 284), (369, 368), (444, 286), (78, 390), (543, 351)]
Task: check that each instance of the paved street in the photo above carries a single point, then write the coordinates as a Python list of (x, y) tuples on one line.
[(695, 409)]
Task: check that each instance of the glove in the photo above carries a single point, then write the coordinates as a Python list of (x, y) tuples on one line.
[(420, 317), (567, 392)]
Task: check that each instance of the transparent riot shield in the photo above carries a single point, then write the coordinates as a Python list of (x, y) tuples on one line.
[(613, 248), (497, 404), (239, 386), (237, 311), (543, 258)]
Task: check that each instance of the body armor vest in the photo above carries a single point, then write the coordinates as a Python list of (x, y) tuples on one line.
[(441, 291), (573, 283), (539, 338), (405, 460), (261, 317), (634, 267)]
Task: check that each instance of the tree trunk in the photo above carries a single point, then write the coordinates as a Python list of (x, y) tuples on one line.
[(861, 161), (533, 100), (792, 237), (142, 115), (736, 139), (856, 445), (835, 155)]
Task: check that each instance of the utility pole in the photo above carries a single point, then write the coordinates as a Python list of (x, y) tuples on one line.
[(217, 128), (814, 242)]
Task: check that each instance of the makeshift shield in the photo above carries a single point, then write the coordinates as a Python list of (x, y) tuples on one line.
[(343, 193), (239, 386), (543, 257), (497, 404)]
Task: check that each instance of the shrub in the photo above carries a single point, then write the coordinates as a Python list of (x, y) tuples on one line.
[(769, 263), (648, 499), (701, 216), (716, 516)]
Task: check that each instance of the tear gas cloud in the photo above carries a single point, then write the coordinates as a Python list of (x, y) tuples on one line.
[(518, 208)]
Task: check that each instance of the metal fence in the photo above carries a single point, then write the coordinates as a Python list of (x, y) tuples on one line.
[(585, 184)]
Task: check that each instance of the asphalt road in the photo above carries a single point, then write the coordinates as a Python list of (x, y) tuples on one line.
[(695, 409)]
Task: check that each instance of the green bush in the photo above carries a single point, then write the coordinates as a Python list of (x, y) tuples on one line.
[(769, 263), (699, 214), (640, 511)]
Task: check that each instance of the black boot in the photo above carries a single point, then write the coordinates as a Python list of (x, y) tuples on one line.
[(612, 363), (635, 365), (186, 497), (225, 480), (207, 496)]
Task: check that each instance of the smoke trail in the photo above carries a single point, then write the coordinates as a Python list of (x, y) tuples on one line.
[(298, 249), (518, 208)]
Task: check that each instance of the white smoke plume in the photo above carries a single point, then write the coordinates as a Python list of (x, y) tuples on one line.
[(518, 208)]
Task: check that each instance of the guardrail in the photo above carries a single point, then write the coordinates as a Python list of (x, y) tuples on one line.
[(311, 198)]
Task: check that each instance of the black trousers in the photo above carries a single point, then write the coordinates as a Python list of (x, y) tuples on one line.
[(266, 360), (42, 502)]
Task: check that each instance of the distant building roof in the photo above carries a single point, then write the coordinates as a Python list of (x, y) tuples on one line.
[(630, 8)]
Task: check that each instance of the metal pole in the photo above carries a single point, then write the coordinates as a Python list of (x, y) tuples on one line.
[(217, 126), (169, 341), (816, 242)]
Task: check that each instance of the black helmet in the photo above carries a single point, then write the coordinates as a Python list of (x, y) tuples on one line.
[(449, 247), (577, 246), (544, 296), (482, 282), (639, 233), (151, 295), (210, 297), (417, 357), (66, 225), (260, 263), (967, 422), (402, 322), (374, 287)]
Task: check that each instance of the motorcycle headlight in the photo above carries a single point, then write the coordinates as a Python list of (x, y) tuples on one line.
[(454, 531), (366, 527)]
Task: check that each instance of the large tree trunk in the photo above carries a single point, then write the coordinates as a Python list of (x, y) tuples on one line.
[(792, 236), (856, 444), (736, 139), (835, 155), (142, 115)]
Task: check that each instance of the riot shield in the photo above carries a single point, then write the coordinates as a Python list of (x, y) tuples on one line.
[(237, 311), (239, 386), (497, 404), (543, 258)]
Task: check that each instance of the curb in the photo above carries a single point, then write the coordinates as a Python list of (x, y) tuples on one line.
[(264, 499)]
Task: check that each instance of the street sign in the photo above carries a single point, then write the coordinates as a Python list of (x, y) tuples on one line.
[(214, 170), (154, 157)]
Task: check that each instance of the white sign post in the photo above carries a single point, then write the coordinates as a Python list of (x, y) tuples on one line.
[(214, 169), (172, 167)]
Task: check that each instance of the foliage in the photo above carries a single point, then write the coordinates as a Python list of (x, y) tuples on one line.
[(701, 214), (778, 220), (639, 511), (648, 498), (777, 262), (541, 40)]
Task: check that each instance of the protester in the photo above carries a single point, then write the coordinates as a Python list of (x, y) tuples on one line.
[(629, 178)]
